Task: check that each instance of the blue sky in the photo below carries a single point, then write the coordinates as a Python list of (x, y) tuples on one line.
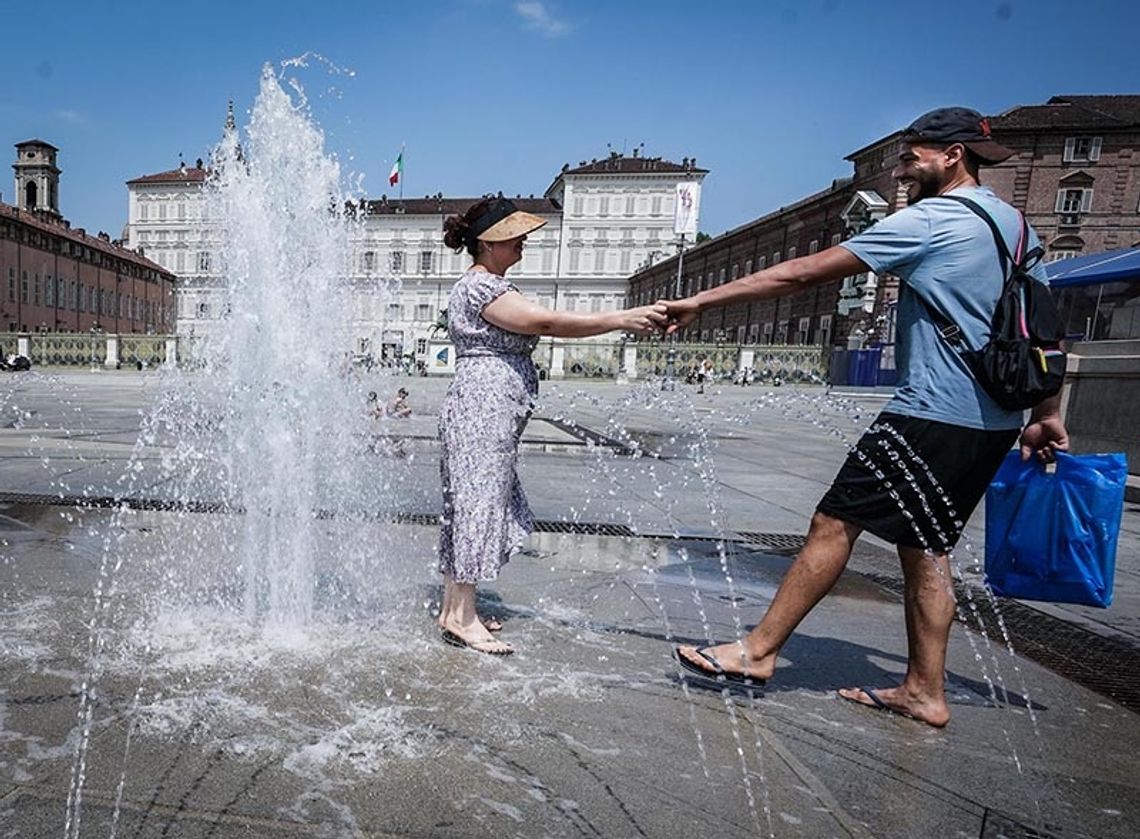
[(498, 94)]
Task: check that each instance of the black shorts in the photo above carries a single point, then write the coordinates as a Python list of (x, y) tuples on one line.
[(915, 482)]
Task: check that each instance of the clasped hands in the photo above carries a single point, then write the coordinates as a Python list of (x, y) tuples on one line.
[(664, 316)]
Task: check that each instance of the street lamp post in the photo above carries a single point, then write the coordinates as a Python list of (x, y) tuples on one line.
[(669, 382)]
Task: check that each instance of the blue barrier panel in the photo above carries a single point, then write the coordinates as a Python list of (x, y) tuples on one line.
[(839, 370)]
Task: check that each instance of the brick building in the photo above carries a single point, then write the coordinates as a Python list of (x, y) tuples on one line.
[(1075, 174), (59, 279)]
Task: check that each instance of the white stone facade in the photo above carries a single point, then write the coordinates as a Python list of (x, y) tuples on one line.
[(602, 226), (166, 223)]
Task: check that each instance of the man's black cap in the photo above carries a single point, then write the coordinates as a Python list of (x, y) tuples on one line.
[(958, 125)]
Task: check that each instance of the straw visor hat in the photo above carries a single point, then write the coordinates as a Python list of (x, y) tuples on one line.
[(502, 221)]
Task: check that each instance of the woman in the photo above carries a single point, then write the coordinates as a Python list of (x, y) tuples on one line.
[(494, 329)]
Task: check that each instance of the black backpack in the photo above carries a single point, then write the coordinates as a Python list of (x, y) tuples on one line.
[(1022, 363)]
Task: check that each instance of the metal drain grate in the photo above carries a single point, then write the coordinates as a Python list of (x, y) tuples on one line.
[(110, 502), (1108, 666), (585, 528), (780, 543)]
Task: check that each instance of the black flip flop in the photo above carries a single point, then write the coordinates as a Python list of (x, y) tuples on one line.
[(717, 675), (454, 640), (879, 704)]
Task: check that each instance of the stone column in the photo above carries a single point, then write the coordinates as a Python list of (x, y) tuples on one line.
[(112, 360), (747, 358), (171, 351), (629, 362), (557, 354), (24, 345)]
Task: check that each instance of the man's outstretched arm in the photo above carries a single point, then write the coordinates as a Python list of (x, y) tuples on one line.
[(777, 281)]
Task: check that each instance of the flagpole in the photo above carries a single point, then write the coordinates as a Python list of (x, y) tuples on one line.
[(401, 158)]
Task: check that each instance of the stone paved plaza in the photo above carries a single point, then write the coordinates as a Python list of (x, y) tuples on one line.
[(194, 723)]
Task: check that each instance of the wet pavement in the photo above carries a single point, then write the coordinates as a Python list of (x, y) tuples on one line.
[(366, 724)]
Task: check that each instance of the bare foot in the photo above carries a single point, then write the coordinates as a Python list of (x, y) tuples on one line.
[(931, 710), (733, 659)]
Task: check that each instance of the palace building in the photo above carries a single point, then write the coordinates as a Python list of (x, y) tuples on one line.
[(605, 218), (57, 278)]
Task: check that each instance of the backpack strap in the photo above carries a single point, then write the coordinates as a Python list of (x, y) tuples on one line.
[(950, 331), (999, 240)]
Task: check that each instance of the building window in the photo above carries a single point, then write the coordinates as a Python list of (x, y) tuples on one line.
[(368, 261), (740, 335), (761, 262), (792, 252), (747, 267), (595, 303), (396, 261), (1073, 201), (775, 257), (656, 205), (1082, 150), (203, 262), (754, 333), (24, 287), (604, 206), (393, 311), (813, 246), (11, 285), (782, 332), (423, 312), (421, 346), (426, 262), (735, 270), (143, 211), (836, 238), (803, 336), (825, 330)]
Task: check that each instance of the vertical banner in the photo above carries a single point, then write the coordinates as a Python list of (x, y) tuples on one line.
[(686, 208)]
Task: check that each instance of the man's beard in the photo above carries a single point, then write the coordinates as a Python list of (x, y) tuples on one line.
[(929, 185)]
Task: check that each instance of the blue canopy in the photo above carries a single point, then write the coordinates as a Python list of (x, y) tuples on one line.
[(1096, 268)]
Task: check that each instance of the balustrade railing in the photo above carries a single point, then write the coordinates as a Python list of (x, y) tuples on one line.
[(560, 359)]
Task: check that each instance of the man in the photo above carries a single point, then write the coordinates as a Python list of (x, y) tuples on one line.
[(916, 475)]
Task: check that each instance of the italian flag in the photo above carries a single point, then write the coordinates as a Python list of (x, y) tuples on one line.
[(397, 169)]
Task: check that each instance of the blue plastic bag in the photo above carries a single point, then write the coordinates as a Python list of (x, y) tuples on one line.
[(1051, 535)]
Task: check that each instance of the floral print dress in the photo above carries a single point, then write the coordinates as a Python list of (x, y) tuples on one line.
[(485, 513)]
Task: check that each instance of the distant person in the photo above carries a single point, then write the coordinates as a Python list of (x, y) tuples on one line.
[(943, 252), (398, 405), (701, 376), (494, 329)]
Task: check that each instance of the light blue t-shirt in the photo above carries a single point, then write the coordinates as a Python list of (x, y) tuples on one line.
[(944, 251)]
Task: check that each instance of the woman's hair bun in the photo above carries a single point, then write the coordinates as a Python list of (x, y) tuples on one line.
[(454, 232)]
